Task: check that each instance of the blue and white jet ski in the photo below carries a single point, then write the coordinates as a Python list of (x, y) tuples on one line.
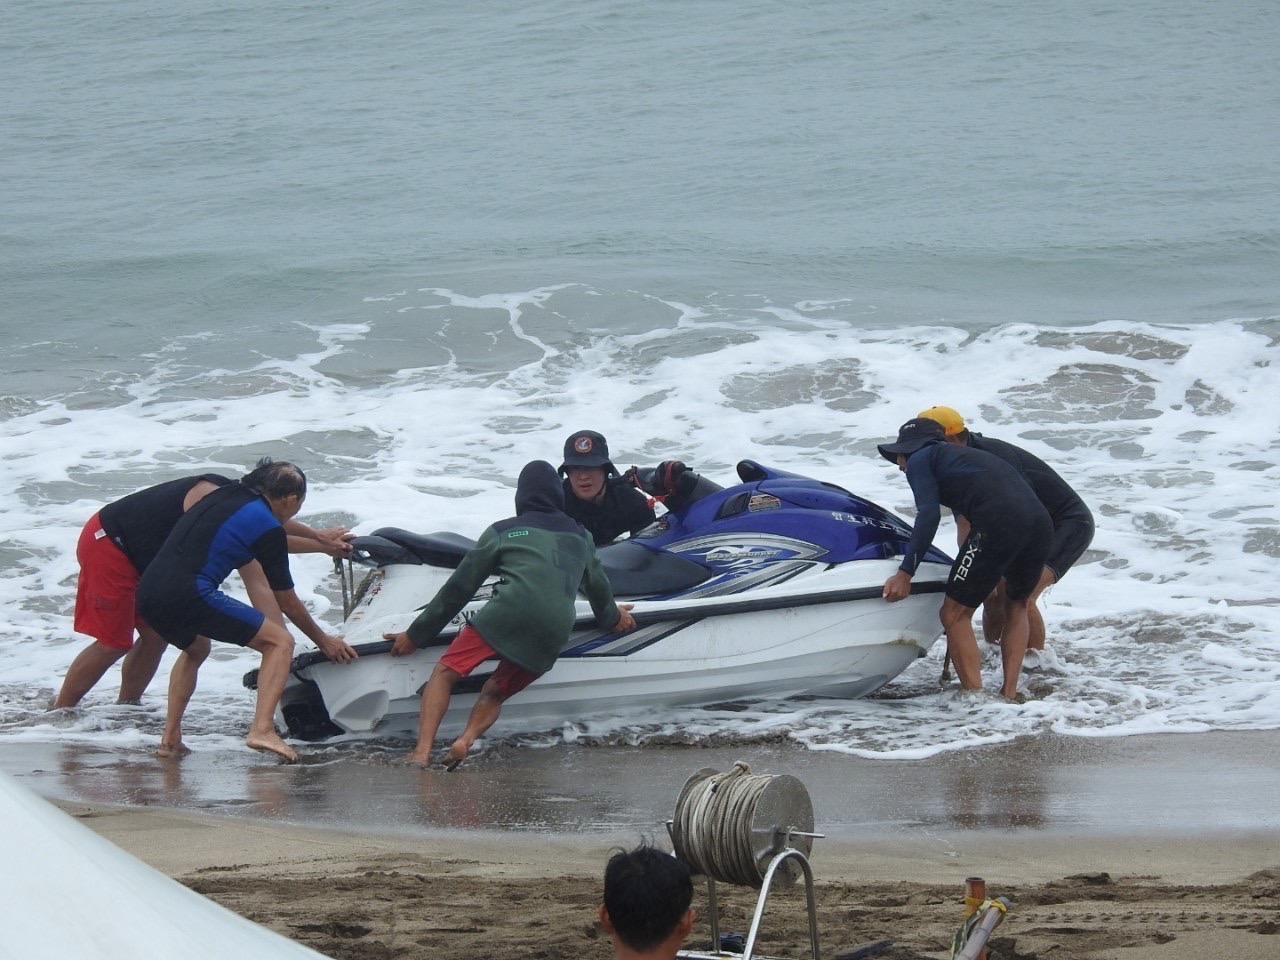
[(764, 590)]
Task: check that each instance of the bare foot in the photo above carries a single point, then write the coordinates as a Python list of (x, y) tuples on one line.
[(419, 757), (271, 743), (453, 759), (167, 750)]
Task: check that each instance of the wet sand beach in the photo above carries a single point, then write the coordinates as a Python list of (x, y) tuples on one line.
[(1146, 848), (350, 894)]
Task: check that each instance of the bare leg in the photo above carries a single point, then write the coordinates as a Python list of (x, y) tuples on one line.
[(1035, 639), (1035, 624), (993, 615), (262, 732), (86, 670), (140, 665), (483, 716), (275, 643), (1014, 648), (435, 701), (182, 684), (962, 644)]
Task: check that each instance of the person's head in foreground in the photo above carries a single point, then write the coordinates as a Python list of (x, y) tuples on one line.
[(646, 910)]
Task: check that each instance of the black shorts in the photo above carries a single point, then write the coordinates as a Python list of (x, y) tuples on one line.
[(216, 616), (1014, 551), (1071, 538)]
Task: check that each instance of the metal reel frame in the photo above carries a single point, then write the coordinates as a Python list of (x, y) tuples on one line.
[(789, 854)]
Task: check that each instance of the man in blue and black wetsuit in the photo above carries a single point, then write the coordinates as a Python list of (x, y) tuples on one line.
[(1009, 537), (116, 545), (179, 595), (1072, 520)]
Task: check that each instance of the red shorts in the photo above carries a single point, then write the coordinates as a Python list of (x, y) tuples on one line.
[(468, 650), (106, 594)]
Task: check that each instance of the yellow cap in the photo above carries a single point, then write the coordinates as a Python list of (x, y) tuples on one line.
[(952, 422)]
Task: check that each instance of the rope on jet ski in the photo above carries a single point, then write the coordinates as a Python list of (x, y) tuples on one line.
[(711, 831), (632, 476), (659, 484)]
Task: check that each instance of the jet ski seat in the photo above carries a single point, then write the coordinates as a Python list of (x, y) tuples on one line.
[(634, 571), (639, 571), (394, 545)]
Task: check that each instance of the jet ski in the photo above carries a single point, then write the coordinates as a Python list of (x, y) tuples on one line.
[(767, 589)]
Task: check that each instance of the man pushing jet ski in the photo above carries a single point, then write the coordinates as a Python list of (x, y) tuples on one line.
[(541, 557)]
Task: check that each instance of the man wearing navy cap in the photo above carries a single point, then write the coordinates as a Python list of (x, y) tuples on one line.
[(1009, 536), (595, 495)]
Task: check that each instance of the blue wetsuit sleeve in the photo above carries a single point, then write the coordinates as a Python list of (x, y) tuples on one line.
[(272, 551), (924, 486)]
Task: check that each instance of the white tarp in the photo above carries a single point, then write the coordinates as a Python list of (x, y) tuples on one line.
[(68, 894)]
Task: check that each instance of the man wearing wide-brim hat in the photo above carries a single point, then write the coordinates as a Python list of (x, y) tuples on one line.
[(1072, 520), (1009, 536)]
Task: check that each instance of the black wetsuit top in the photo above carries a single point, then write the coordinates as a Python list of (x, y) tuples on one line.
[(1054, 493), (976, 484), (139, 523), (623, 509)]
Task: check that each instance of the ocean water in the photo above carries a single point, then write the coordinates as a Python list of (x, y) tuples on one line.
[(414, 247)]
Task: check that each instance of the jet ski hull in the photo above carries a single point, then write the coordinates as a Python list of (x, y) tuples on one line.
[(768, 590), (840, 647)]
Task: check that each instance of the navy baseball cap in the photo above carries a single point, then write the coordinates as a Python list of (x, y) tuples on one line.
[(586, 448)]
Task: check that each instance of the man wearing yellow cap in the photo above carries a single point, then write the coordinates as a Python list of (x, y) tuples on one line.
[(1008, 538), (1072, 520)]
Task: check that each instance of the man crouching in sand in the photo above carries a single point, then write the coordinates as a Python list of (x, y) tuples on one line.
[(540, 556), (646, 910)]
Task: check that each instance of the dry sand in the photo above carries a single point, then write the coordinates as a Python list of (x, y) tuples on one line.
[(475, 895)]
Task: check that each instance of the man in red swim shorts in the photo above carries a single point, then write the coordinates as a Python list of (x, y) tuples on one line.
[(542, 556), (116, 545)]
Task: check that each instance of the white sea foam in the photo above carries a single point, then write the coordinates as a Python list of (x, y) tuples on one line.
[(1171, 623)]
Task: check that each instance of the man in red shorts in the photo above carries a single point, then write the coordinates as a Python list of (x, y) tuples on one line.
[(541, 556), (116, 546)]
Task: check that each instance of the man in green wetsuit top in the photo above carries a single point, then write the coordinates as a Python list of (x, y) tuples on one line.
[(541, 556)]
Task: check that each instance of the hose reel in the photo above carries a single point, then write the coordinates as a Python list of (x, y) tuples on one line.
[(748, 829)]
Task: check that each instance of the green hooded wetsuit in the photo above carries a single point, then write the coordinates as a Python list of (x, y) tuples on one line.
[(541, 557)]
